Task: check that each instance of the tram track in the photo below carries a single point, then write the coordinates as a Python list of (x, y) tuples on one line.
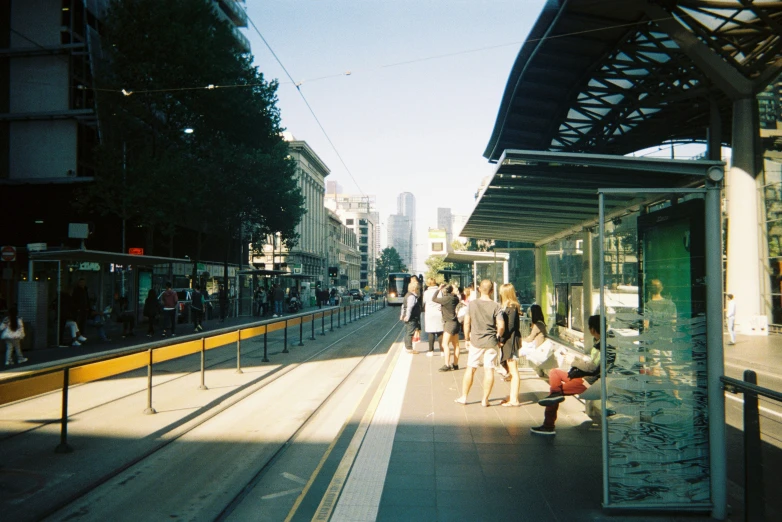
[(223, 405)]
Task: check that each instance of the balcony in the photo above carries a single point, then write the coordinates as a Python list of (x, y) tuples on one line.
[(234, 11)]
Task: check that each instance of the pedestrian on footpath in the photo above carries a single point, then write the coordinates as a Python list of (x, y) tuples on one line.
[(170, 301), (731, 313), (511, 341), (12, 333), (151, 311), (197, 308), (279, 298), (447, 297), (222, 297), (433, 316), (483, 329), (81, 304), (411, 314)]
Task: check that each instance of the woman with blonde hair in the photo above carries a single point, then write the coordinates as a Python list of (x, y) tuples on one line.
[(411, 314), (511, 340), (448, 298)]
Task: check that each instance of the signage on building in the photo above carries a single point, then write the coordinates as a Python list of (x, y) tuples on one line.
[(8, 253), (89, 267), (136, 251)]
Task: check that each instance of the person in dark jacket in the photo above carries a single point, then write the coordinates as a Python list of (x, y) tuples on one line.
[(81, 304), (510, 342), (151, 311), (411, 314), (197, 308), (447, 298)]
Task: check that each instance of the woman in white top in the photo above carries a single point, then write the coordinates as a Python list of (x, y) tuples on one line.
[(433, 316), (12, 332)]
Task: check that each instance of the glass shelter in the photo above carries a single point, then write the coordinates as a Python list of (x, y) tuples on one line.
[(637, 241)]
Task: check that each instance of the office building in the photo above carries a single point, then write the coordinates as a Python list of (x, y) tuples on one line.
[(358, 213)]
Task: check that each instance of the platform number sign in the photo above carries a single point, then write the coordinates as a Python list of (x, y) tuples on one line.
[(8, 254)]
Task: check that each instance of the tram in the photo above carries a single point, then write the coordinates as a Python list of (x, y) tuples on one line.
[(397, 287)]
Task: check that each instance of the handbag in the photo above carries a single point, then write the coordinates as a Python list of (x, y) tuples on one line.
[(541, 353)]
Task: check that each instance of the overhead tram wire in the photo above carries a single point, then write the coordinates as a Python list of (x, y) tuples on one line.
[(298, 88)]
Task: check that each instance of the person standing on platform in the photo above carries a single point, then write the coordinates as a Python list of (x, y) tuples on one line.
[(12, 333), (411, 314), (197, 308), (483, 329), (222, 299), (151, 311), (447, 297), (279, 298), (170, 302), (81, 304), (511, 341), (433, 316), (731, 315)]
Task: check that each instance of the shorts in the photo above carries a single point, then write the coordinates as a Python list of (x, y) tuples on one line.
[(451, 327), (487, 355)]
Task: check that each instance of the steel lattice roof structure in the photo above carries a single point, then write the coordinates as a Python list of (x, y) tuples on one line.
[(617, 76)]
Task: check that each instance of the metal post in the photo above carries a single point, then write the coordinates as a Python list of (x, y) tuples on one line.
[(239, 352), (63, 446), (265, 344), (312, 321), (601, 260), (301, 331), (203, 365), (285, 339), (714, 348), (331, 319), (323, 323), (754, 510), (150, 410)]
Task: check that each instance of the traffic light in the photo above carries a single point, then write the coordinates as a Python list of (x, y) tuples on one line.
[(333, 271)]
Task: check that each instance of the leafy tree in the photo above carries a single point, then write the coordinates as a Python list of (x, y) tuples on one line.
[(231, 173), (434, 265), (389, 261)]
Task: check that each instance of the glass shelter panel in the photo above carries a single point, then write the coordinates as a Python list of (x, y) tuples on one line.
[(656, 431)]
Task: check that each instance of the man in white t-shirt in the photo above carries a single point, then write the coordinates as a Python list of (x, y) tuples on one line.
[(731, 314)]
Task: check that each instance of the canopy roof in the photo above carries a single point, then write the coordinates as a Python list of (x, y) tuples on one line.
[(464, 256), (617, 76), (100, 256), (538, 196)]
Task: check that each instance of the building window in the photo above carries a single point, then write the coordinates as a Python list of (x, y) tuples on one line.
[(363, 222), (349, 222), (437, 247), (363, 249), (363, 230)]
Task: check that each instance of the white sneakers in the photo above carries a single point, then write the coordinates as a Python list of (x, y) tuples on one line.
[(275, 315), (75, 343), (81, 338), (430, 353)]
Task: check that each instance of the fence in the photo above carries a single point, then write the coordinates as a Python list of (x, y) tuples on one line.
[(754, 492), (65, 375)]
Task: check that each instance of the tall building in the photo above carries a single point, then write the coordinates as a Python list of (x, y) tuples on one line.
[(309, 256), (358, 213), (344, 259), (451, 223), (401, 229)]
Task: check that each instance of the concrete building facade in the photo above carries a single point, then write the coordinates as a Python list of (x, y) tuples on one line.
[(358, 213), (401, 229), (344, 259)]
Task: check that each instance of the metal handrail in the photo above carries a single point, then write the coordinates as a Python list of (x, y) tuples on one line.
[(48, 379), (754, 504)]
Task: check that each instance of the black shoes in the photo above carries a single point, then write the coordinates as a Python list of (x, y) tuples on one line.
[(446, 368), (552, 399), (543, 430)]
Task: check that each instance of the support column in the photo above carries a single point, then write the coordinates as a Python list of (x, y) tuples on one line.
[(540, 259), (586, 275), (745, 262)]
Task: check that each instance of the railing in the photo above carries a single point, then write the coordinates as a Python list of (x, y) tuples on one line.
[(754, 501), (62, 376)]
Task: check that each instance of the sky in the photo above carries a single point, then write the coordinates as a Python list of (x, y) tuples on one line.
[(417, 127)]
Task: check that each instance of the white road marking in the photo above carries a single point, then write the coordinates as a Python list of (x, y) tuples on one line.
[(281, 493), (294, 478), (763, 409)]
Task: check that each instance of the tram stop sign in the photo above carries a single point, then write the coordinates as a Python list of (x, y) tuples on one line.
[(8, 254)]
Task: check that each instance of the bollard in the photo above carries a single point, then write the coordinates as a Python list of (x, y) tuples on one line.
[(265, 343), (312, 320), (323, 323), (301, 331), (203, 365), (63, 446), (285, 339), (754, 510), (331, 318), (239, 352), (150, 410)]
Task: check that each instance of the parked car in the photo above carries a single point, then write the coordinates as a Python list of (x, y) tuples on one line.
[(356, 294)]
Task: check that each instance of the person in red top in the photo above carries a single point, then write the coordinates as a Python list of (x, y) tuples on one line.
[(169, 300)]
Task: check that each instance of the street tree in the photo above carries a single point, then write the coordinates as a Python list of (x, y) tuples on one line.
[(388, 262), (191, 134), (434, 265)]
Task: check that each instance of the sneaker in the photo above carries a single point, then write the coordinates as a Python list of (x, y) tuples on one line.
[(81, 338), (22, 360), (164, 334), (455, 367), (445, 368), (554, 398), (173, 335), (275, 315), (543, 430), (9, 363), (430, 353), (410, 351), (75, 343)]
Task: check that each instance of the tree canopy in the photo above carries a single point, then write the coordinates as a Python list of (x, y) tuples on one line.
[(190, 130), (388, 262), (434, 264)]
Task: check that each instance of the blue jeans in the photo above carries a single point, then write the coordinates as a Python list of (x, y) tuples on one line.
[(278, 307), (169, 317)]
